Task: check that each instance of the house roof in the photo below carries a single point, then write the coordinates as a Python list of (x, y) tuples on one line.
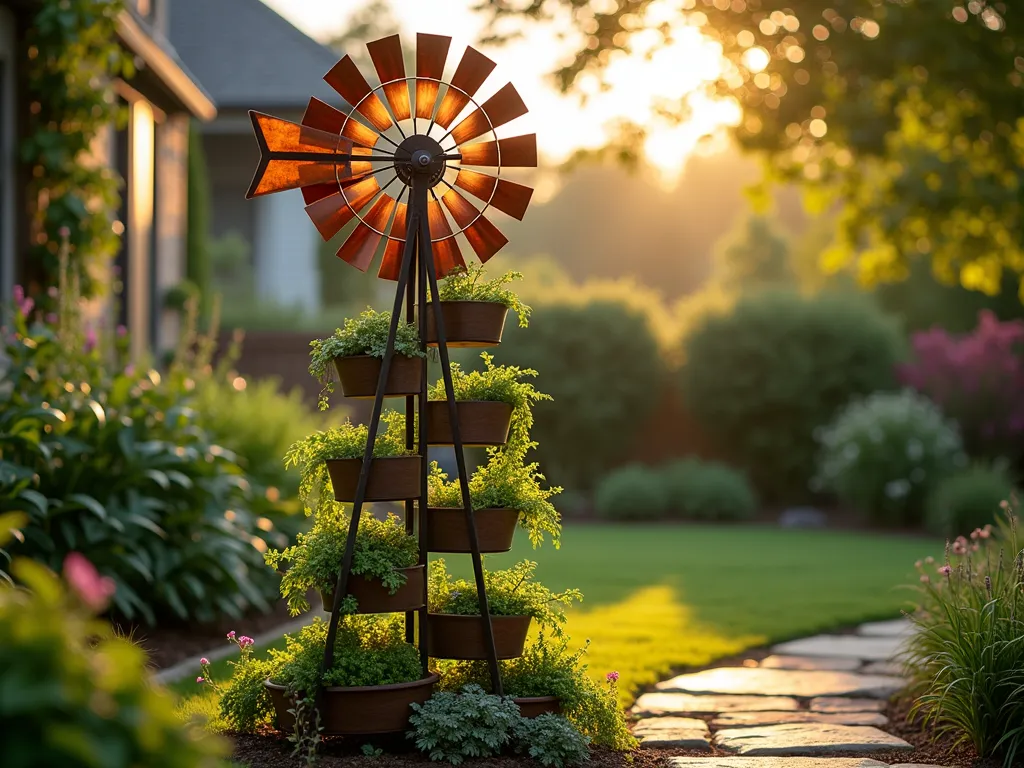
[(162, 70), (249, 57)]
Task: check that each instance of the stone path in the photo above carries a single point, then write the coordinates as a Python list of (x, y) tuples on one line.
[(813, 697)]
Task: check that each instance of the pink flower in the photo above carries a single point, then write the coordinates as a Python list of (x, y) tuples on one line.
[(64, 232), (19, 294), (51, 318), (129, 370), (245, 642), (986, 532), (52, 292), (976, 533), (231, 635), (204, 661), (960, 546), (200, 679), (612, 677), (121, 330), (26, 306), (925, 579), (945, 570), (94, 590), (90, 340)]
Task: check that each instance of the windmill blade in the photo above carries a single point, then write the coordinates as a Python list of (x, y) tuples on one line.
[(483, 236), (323, 116), (386, 55), (349, 82), (507, 196), (391, 263), (431, 54), (502, 107), (516, 152), (469, 76), (294, 155), (360, 246), (335, 211), (447, 254)]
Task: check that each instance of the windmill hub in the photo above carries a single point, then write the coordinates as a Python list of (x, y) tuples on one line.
[(422, 156)]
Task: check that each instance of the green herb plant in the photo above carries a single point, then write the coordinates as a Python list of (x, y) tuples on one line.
[(469, 284), (366, 334), (511, 592), (454, 727), (346, 441), (382, 548), (551, 740)]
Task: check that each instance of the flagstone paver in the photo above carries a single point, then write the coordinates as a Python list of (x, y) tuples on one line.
[(773, 762), (892, 668), (838, 704), (752, 719), (894, 628), (846, 646), (782, 682), (659, 704), (808, 739), (681, 732), (813, 663)]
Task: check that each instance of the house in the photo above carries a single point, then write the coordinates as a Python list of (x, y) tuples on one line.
[(249, 57), (149, 153)]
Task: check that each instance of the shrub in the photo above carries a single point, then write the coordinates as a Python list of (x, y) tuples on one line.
[(456, 726), (382, 547), (968, 499), (759, 379), (976, 379), (600, 362), (698, 490), (882, 455), (114, 462), (469, 285), (74, 694), (966, 661), (633, 492), (511, 592), (363, 335), (551, 741)]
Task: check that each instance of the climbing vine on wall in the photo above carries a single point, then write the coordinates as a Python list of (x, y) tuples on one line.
[(73, 56)]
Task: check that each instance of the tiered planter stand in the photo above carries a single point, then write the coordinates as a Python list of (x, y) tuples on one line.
[(332, 157)]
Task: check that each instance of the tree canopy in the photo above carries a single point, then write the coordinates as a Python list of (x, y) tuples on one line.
[(905, 117)]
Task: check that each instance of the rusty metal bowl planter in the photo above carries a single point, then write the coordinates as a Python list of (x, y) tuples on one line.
[(468, 323), (450, 636), (358, 375), (535, 706), (373, 597), (481, 422), (391, 478), (358, 710), (447, 530)]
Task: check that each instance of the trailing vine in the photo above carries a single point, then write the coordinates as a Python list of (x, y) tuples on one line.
[(73, 55)]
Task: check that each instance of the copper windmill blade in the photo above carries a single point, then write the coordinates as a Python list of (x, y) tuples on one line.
[(324, 117), (502, 107), (447, 254), (360, 246), (386, 55), (335, 211), (431, 54), (349, 82), (516, 152), (391, 262), (483, 236), (507, 196), (469, 76), (294, 155)]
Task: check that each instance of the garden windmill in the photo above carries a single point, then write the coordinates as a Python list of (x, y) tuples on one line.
[(397, 159)]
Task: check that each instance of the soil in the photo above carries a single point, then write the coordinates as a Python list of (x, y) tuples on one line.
[(168, 645)]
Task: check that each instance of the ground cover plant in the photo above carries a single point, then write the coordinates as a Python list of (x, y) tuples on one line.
[(966, 662)]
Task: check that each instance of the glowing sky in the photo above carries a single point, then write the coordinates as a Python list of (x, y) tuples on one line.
[(562, 124)]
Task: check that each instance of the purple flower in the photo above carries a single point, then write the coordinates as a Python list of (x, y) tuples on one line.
[(945, 570)]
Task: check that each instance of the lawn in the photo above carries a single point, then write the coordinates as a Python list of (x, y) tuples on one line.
[(659, 597)]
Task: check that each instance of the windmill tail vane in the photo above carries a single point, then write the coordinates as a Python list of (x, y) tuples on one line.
[(363, 164)]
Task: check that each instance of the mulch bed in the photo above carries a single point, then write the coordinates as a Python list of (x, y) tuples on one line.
[(166, 646)]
